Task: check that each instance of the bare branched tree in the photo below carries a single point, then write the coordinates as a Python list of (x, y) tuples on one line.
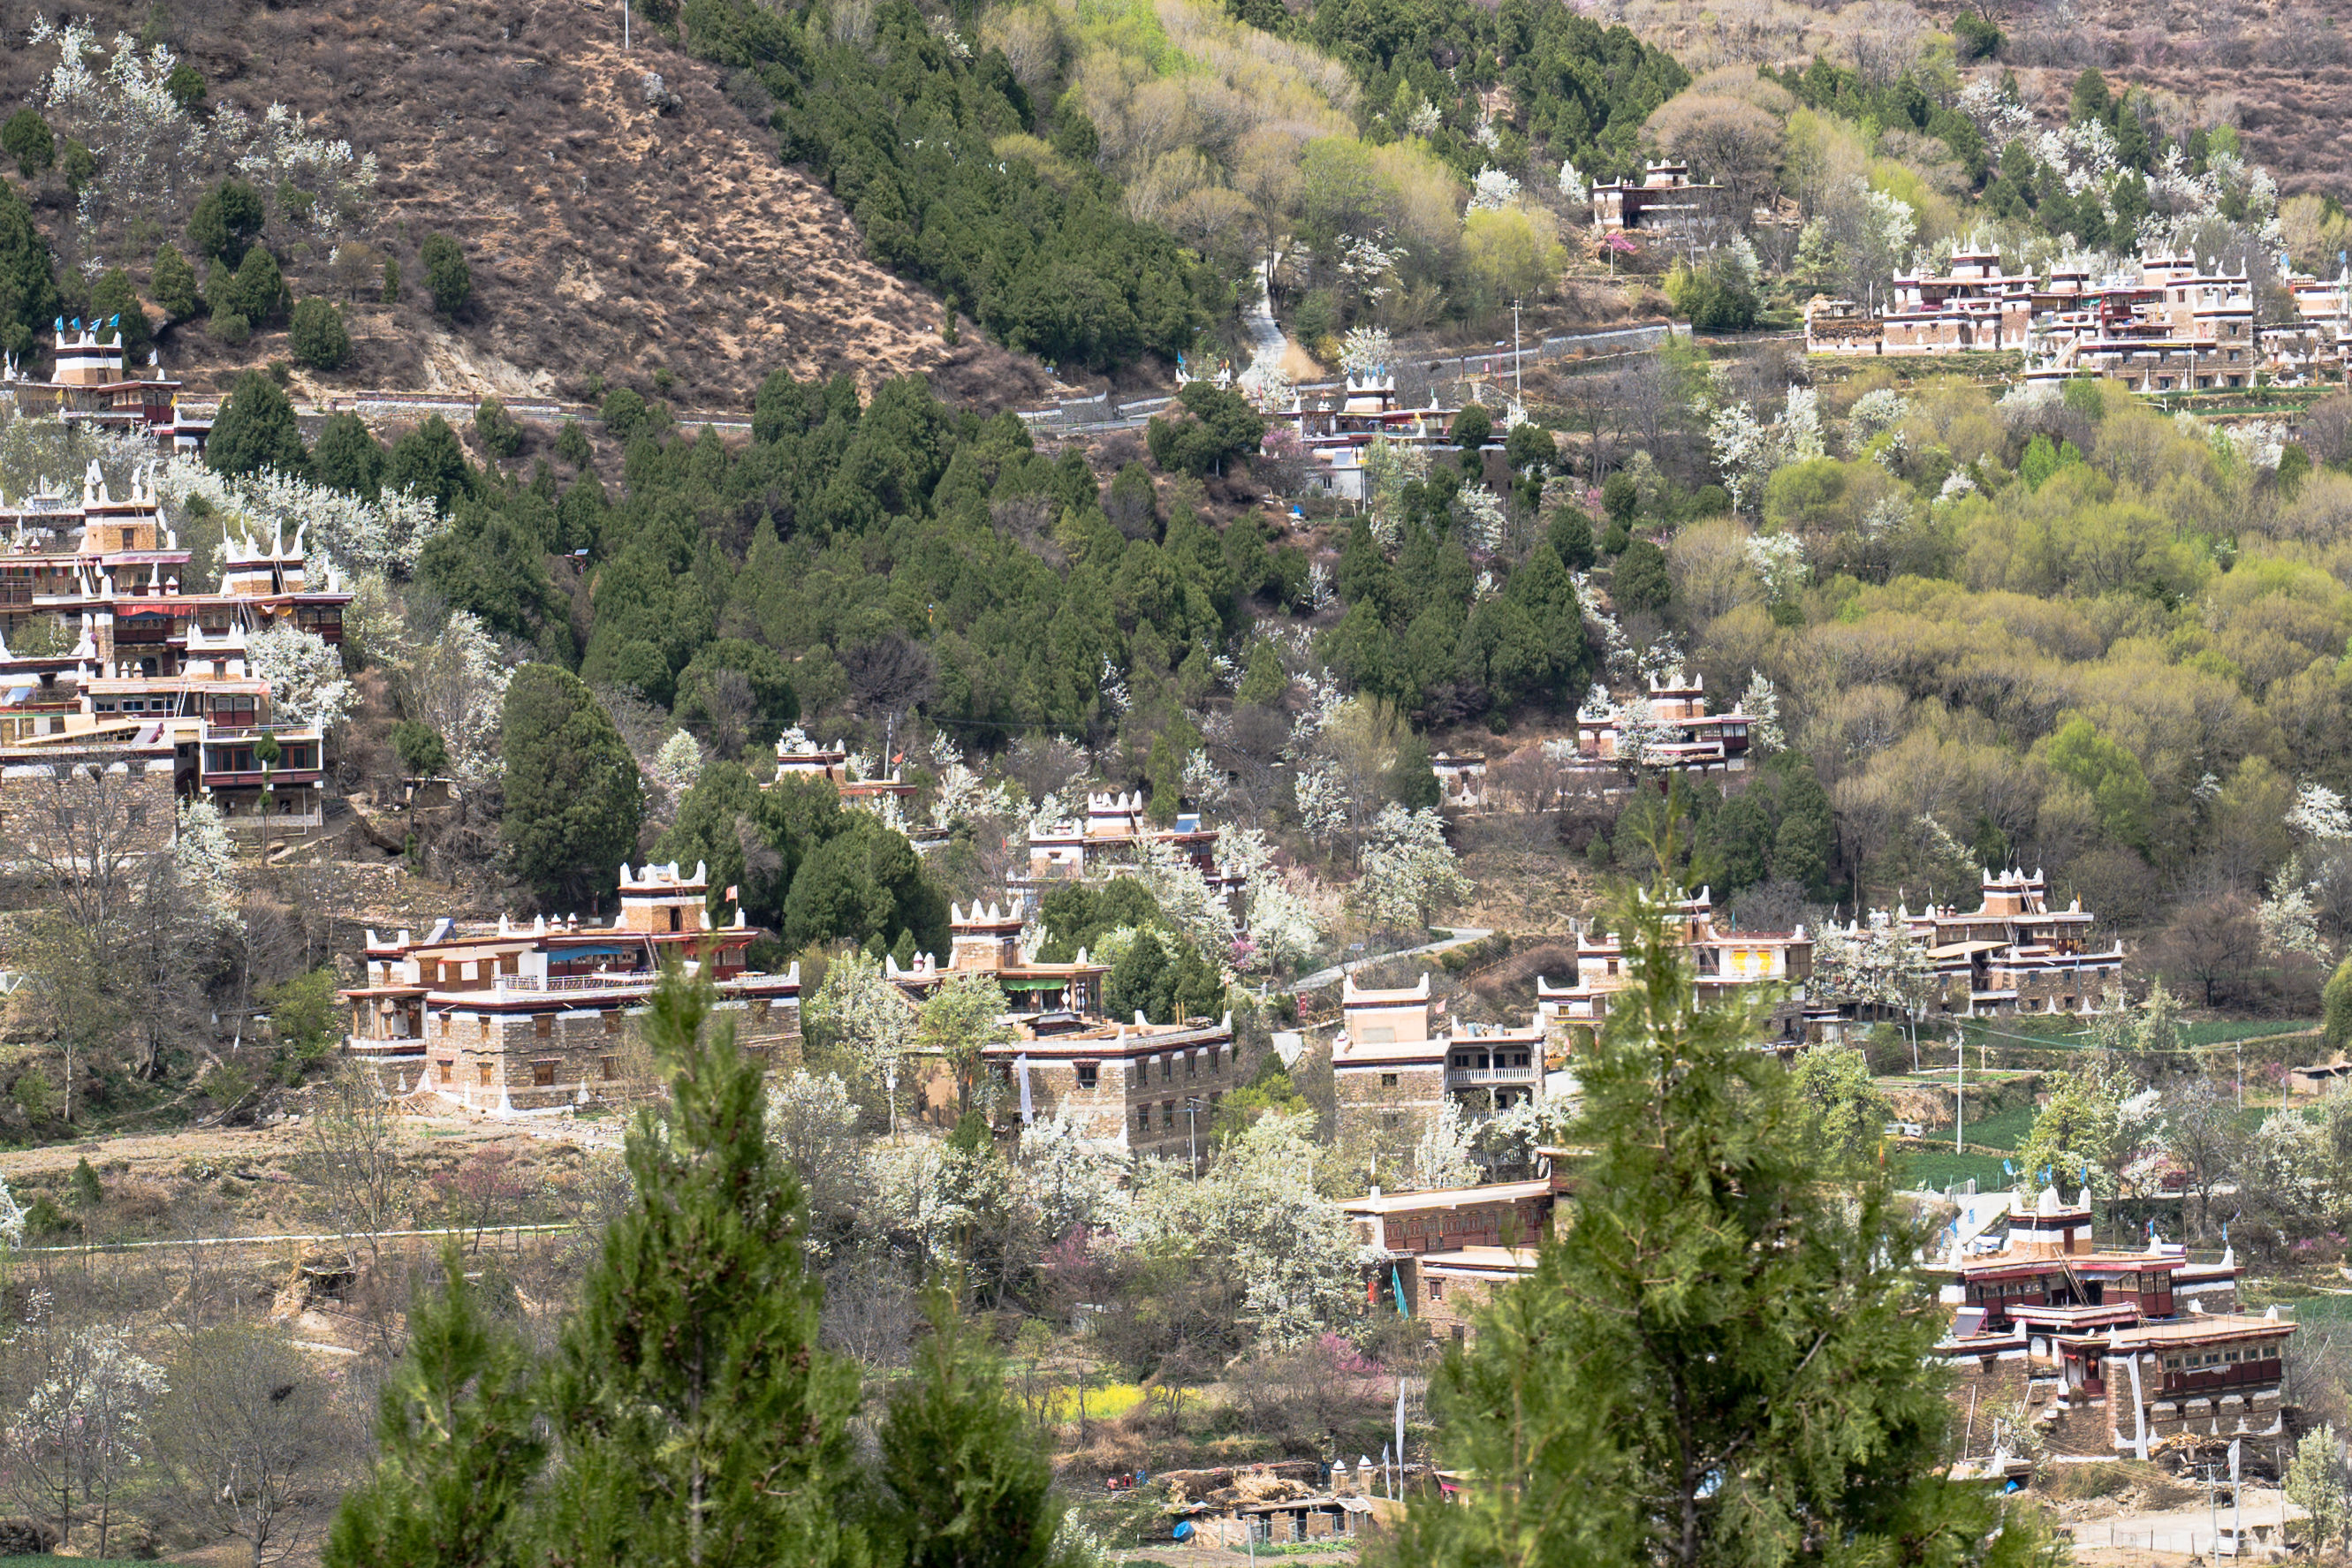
[(353, 1162), (88, 841), (251, 1433)]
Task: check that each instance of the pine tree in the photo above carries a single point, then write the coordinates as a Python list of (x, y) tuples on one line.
[(698, 1423), (348, 456), (172, 282), (458, 1446), (963, 1487), (257, 429), (1725, 1358), (574, 796)]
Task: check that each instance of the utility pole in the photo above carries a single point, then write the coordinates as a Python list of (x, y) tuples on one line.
[(1193, 1132), (1959, 1093), (1517, 389)]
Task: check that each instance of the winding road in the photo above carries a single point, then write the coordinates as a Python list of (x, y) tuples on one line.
[(1462, 936)]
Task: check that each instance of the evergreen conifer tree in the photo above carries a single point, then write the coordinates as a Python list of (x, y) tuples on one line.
[(698, 1422), (574, 796), (458, 1446), (963, 1486), (347, 455), (172, 282), (257, 429), (1725, 1358)]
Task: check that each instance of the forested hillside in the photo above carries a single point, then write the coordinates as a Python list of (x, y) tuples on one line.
[(613, 229)]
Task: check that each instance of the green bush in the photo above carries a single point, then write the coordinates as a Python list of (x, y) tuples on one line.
[(1975, 37), (303, 1014), (225, 221), (447, 276), (172, 282), (422, 753), (318, 336), (79, 165), (1620, 497), (501, 435), (1640, 581), (113, 298), (572, 444), (186, 85), (622, 411), (27, 138), (231, 328), (1472, 426), (259, 293), (391, 280)]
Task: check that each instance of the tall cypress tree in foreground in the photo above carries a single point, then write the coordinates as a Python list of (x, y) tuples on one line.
[(698, 1424), (1723, 1361), (458, 1446)]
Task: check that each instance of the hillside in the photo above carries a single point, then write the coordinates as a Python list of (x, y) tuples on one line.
[(2281, 73), (604, 237)]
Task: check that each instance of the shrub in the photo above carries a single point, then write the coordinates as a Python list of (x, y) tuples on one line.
[(319, 337), (227, 220), (622, 413), (231, 328), (1472, 426), (1641, 582), (572, 444), (1572, 539), (500, 434), (79, 164), (391, 280), (186, 85), (27, 138), (1620, 497), (259, 293), (447, 276), (115, 299), (1975, 37), (422, 753), (172, 282)]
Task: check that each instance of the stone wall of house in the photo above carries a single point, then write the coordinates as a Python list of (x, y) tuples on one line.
[(545, 1061), (1452, 1313), (1370, 1099)]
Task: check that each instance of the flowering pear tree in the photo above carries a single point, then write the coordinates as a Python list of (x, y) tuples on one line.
[(1409, 869), (307, 687)]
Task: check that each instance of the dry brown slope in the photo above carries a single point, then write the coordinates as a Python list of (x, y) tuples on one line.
[(2281, 70), (604, 237)]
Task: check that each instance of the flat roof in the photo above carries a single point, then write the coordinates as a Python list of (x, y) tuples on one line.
[(1445, 1198), (1480, 1260)]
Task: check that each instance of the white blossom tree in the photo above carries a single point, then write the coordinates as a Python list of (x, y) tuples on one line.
[(858, 1011), (1483, 522), (1876, 964), (1256, 1213), (1185, 895), (1409, 869), (203, 869), (1441, 1155), (1493, 191), (456, 684), (1779, 561), (678, 764), (1366, 352), (1069, 1181), (82, 1429), (305, 672), (352, 533), (1762, 703)]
